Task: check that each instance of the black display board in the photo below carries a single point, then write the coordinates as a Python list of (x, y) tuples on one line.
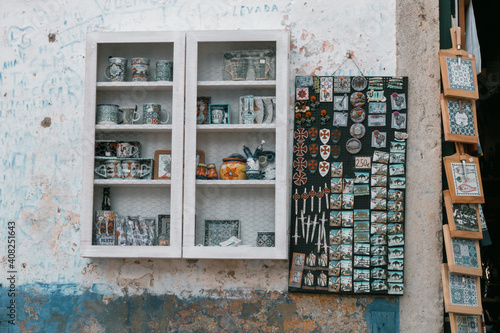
[(349, 185)]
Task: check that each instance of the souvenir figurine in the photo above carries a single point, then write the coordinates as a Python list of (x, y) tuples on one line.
[(309, 119), (324, 117), (253, 166)]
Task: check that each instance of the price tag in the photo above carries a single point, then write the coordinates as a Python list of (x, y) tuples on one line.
[(363, 162)]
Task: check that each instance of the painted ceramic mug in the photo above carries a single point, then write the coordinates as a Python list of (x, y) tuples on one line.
[(130, 168), (152, 112), (107, 114), (140, 69), (164, 70), (128, 149), (145, 169), (237, 68), (117, 68), (110, 169), (130, 115)]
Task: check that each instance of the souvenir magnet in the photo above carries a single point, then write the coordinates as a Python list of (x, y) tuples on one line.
[(377, 107), (334, 252), (362, 248), (378, 181), (361, 190), (335, 218), (362, 261), (380, 157), (396, 83), (336, 134), (295, 278), (361, 177), (396, 169), (322, 280), (395, 228), (359, 83), (376, 120), (341, 84), (397, 147), (334, 284), (353, 146), (310, 119), (326, 89), (378, 273), (312, 195), (361, 274), (313, 150), (395, 206), (296, 235), (397, 158), (346, 283), (335, 201), (347, 201), (400, 136), (316, 84), (378, 240), (378, 204), (376, 83), (379, 139), (300, 149), (375, 96), (340, 119), (313, 133), (336, 152), (362, 237), (347, 218), (398, 120), (378, 217), (397, 182), (336, 184), (395, 217), (347, 235), (324, 167), (357, 131), (299, 178), (300, 164), (379, 250), (358, 115), (335, 237), (345, 252), (320, 196), (324, 135), (325, 151), (345, 268), (378, 192), (304, 81), (361, 214), (302, 94), (396, 195), (300, 135), (379, 285), (379, 169), (358, 99), (348, 185), (398, 101), (313, 166), (341, 103), (296, 198), (362, 162), (378, 261), (396, 240), (324, 117), (337, 169)]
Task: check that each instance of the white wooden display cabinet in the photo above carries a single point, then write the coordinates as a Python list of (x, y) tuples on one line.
[(146, 198), (258, 205)]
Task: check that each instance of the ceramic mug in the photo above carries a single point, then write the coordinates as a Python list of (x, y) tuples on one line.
[(164, 70), (105, 148), (130, 115), (116, 69), (107, 114), (145, 169), (140, 69), (237, 68), (151, 113), (110, 169), (130, 168), (128, 149), (261, 69)]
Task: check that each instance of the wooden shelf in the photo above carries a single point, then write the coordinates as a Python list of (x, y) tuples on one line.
[(234, 85), (133, 128), (122, 86), (236, 128), (133, 182), (236, 183)]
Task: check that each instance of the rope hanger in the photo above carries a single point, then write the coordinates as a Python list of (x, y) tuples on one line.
[(349, 56)]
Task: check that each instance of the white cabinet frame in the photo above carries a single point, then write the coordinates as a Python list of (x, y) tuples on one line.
[(175, 130)]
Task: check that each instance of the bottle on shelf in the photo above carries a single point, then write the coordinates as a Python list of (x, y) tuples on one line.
[(106, 199)]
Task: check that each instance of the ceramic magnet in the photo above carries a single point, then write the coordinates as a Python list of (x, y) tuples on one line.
[(340, 119), (335, 237), (379, 250), (357, 131), (361, 274), (359, 83), (334, 252), (395, 206), (334, 284), (397, 277), (353, 146), (341, 84), (378, 240), (298, 260), (341, 103), (378, 217), (396, 195), (362, 237), (312, 165), (380, 157), (376, 120), (361, 261), (395, 264), (300, 135), (324, 135), (397, 158), (300, 149), (361, 226), (336, 185), (362, 248), (398, 101), (358, 115), (397, 182), (299, 178), (378, 273), (335, 201), (361, 214), (346, 252), (347, 201), (398, 147), (396, 253), (378, 229), (378, 192), (395, 217), (324, 167), (335, 218), (346, 283), (325, 151), (337, 169), (313, 133), (398, 120), (347, 218), (361, 190), (334, 268), (299, 164), (396, 169), (395, 228), (379, 139), (377, 108), (346, 268), (302, 94), (304, 81), (348, 185), (378, 204), (379, 169), (378, 181), (326, 89)]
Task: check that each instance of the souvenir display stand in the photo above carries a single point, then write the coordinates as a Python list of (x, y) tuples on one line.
[(233, 166), (138, 194), (349, 185), (461, 275), (223, 67)]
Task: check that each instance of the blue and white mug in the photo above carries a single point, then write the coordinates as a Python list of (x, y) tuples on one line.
[(164, 70), (107, 114)]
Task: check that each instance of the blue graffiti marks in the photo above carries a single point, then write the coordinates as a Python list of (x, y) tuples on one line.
[(77, 33), (19, 37), (65, 87), (131, 6), (9, 64), (249, 10)]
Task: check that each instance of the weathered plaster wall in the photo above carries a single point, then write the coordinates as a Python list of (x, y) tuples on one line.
[(41, 113)]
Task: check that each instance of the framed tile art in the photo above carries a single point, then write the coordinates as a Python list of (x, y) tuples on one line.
[(357, 223), (462, 254), (464, 178), (463, 219), (461, 292), (463, 323), (217, 231), (458, 71), (459, 120)]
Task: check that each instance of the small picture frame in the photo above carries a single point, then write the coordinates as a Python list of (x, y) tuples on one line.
[(464, 219), (464, 179), (461, 323), (163, 164), (459, 120), (455, 286), (219, 114), (202, 104), (462, 254), (458, 70)]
